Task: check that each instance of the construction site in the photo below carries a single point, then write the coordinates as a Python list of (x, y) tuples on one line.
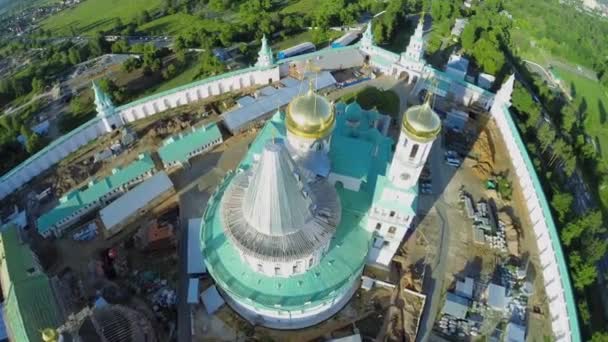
[(471, 232)]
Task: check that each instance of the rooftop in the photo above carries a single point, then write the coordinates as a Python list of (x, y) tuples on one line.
[(179, 147), (78, 199), (129, 203), (346, 255), (455, 306), (268, 101), (29, 303)]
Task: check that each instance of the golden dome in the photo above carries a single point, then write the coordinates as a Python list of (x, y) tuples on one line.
[(310, 116), (49, 335), (421, 123)]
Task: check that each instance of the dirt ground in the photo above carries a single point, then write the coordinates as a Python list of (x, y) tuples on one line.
[(469, 259), (364, 312)]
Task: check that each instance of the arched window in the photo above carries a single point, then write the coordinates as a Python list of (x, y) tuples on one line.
[(392, 214), (392, 230), (414, 151), (378, 226)]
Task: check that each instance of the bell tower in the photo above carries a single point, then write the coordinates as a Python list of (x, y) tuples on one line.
[(265, 58), (394, 204), (419, 129), (105, 109), (415, 49)]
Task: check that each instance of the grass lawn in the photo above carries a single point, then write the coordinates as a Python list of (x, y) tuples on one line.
[(177, 23), (305, 36), (95, 15), (591, 98), (303, 6), (185, 77)]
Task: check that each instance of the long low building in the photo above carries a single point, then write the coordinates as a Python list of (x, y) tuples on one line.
[(80, 202), (30, 305), (135, 203), (269, 99), (178, 149)]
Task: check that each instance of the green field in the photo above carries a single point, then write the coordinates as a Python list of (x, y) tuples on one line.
[(305, 36), (590, 97), (95, 15), (177, 23), (303, 6), (185, 77)]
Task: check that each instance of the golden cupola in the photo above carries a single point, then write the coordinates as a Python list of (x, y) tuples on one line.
[(421, 123), (310, 116)]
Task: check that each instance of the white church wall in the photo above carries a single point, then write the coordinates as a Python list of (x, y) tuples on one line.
[(285, 268), (136, 110), (555, 275), (293, 319)]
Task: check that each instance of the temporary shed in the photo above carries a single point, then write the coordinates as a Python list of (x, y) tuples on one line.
[(212, 300), (497, 297), (456, 306), (193, 291), (196, 266), (465, 288)]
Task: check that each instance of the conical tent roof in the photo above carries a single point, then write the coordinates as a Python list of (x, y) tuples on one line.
[(273, 213), (276, 202)]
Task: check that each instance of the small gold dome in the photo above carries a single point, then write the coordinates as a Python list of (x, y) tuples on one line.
[(49, 335), (421, 123), (310, 116)]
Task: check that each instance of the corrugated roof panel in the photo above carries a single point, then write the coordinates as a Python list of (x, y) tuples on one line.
[(78, 199), (179, 147)]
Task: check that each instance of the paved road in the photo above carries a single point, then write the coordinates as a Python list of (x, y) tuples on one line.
[(193, 186), (190, 207), (433, 282)]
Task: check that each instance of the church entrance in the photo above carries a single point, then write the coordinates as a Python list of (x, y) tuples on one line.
[(405, 76)]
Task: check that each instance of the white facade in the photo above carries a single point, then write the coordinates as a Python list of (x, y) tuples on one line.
[(411, 61), (555, 274), (408, 161), (285, 268), (292, 319), (392, 212)]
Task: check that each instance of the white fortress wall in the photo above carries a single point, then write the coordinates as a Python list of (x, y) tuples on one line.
[(556, 279), (139, 109)]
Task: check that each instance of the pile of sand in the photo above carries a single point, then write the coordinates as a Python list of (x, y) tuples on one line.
[(483, 149)]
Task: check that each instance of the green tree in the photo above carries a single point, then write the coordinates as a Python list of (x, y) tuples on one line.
[(131, 64), (210, 65), (120, 46), (546, 136), (74, 56), (143, 17), (599, 336), (562, 204), (583, 272), (37, 85)]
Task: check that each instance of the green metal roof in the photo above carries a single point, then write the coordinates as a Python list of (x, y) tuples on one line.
[(347, 252), (96, 120), (77, 199), (341, 156), (30, 304), (178, 147), (564, 275), (345, 258)]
